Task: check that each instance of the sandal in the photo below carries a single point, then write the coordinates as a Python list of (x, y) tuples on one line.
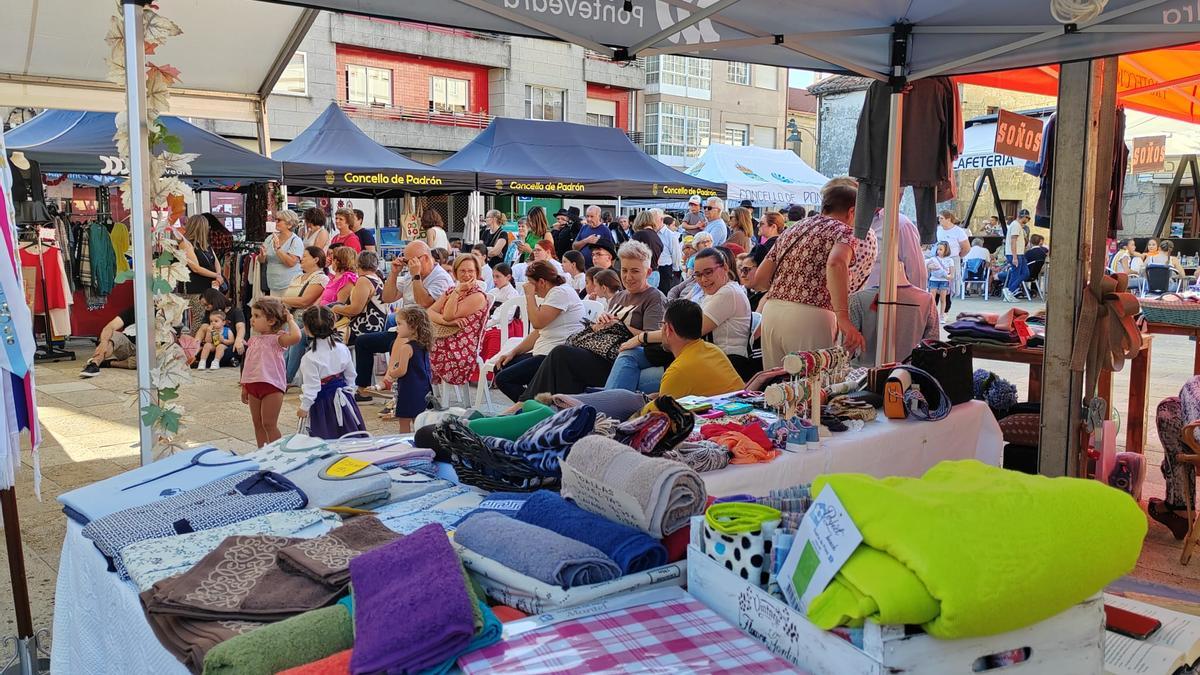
[(1170, 518)]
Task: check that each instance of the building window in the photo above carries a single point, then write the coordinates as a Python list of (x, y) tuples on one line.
[(739, 73), (737, 134), (766, 77), (544, 103), (676, 130), (679, 71), (764, 137), (372, 86), (294, 80), (448, 95), (598, 120), (601, 113)]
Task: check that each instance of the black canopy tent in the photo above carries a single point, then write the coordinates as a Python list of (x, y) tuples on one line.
[(334, 155), (531, 157), (72, 141)]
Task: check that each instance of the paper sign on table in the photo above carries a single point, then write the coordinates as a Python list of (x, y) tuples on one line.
[(824, 542), (346, 466)]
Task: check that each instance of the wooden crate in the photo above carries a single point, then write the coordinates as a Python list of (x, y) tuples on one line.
[(1068, 644)]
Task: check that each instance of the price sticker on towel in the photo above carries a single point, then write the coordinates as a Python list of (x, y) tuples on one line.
[(345, 467), (824, 542)]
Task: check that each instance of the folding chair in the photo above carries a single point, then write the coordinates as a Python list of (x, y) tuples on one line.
[(975, 271), (503, 316)]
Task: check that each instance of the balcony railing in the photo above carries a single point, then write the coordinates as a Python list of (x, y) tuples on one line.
[(638, 138), (632, 63), (468, 120)]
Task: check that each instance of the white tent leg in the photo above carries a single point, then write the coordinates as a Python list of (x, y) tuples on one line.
[(885, 348), (474, 213), (143, 256)]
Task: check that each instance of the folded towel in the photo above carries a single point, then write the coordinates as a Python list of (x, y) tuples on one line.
[(325, 489), (657, 496), (326, 559), (485, 636), (534, 551), (338, 664), (632, 550), (299, 640), (547, 442), (512, 426), (240, 581), (411, 607), (190, 640), (970, 550)]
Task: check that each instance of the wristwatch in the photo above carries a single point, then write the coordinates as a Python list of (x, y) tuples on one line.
[(645, 339), (417, 277)]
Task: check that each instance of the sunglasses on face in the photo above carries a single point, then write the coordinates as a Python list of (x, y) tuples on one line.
[(745, 270)]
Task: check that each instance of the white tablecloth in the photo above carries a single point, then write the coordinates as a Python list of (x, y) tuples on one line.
[(883, 448), (99, 626)]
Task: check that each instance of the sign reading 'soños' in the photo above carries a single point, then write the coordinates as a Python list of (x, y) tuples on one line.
[(1149, 154), (1018, 136)]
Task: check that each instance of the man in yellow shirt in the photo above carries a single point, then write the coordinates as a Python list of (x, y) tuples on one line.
[(700, 368)]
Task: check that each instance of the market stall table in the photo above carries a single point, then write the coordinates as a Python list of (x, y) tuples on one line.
[(1139, 383), (1173, 329), (882, 448)]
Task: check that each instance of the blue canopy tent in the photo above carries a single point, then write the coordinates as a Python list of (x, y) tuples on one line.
[(334, 155), (72, 141), (569, 160)]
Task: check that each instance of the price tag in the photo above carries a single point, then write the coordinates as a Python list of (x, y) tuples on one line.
[(824, 542), (346, 466)]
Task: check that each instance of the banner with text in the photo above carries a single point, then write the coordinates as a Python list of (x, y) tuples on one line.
[(1149, 154), (1018, 135)]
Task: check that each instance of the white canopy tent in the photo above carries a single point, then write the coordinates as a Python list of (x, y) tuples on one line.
[(764, 176)]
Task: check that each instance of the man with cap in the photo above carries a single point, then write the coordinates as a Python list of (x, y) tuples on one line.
[(694, 220), (1014, 251), (749, 206), (565, 229)]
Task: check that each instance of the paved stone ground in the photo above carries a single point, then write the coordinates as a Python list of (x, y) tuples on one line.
[(90, 429)]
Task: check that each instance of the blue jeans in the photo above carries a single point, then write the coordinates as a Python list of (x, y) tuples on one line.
[(294, 354), (632, 371), (1017, 274)]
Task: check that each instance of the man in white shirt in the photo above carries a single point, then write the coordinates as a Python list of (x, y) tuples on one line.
[(426, 280), (670, 258), (956, 238), (1014, 251), (716, 225)]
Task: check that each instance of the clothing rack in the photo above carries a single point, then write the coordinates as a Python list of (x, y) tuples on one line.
[(48, 352)]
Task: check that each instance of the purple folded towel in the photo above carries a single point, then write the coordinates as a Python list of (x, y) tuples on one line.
[(411, 609)]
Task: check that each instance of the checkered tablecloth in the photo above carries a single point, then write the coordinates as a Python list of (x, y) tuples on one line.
[(678, 636)]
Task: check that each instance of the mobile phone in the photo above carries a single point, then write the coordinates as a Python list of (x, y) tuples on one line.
[(1130, 624), (711, 414)]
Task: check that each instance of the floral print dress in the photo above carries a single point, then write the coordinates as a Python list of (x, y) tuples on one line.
[(453, 357)]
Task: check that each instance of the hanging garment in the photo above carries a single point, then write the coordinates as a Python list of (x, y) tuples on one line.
[(119, 237), (103, 259), (1043, 168), (1116, 185), (50, 293)]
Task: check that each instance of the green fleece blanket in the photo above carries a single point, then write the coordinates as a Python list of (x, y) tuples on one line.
[(302, 639), (969, 550), (512, 426)]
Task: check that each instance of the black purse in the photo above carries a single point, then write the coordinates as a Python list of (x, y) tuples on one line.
[(949, 364)]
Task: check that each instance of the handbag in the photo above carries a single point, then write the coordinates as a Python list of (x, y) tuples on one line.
[(949, 364), (605, 343), (441, 330)]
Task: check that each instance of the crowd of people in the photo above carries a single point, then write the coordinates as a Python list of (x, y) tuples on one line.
[(694, 306)]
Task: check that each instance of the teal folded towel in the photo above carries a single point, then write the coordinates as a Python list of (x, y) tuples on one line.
[(488, 635)]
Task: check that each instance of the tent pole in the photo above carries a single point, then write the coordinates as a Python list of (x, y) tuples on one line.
[(885, 349), (139, 173), (264, 128)]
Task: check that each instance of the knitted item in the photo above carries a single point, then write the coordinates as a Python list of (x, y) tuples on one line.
[(997, 392), (701, 456)]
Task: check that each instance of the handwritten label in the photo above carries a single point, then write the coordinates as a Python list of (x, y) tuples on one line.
[(346, 466), (826, 539), (602, 498), (769, 622), (1149, 154), (1018, 136)]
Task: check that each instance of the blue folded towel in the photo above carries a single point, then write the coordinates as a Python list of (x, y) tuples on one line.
[(632, 550), (487, 635), (535, 551)]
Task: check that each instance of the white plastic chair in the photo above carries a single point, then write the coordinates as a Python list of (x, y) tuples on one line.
[(592, 309), (503, 316), (463, 391)]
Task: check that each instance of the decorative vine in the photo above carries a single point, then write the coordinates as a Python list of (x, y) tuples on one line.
[(166, 193)]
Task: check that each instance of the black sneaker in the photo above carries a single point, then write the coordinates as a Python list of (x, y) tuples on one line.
[(90, 370), (362, 398)]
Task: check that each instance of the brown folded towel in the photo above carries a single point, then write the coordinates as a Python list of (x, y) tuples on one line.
[(240, 580), (327, 558), (189, 640)]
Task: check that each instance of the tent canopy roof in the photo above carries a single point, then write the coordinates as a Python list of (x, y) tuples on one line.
[(571, 160), (71, 141), (334, 154), (1163, 82), (854, 36), (762, 175), (231, 53)]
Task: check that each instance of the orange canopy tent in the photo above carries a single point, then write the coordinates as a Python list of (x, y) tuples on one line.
[(1163, 82)]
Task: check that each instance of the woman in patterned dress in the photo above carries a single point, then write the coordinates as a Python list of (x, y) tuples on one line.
[(1173, 414), (464, 305)]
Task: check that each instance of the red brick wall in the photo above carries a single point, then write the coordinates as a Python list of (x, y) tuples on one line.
[(621, 96), (410, 76)]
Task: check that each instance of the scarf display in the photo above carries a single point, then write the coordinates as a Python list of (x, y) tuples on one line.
[(700, 456), (223, 502), (240, 580), (536, 552), (657, 496), (409, 626), (326, 559), (644, 433)]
